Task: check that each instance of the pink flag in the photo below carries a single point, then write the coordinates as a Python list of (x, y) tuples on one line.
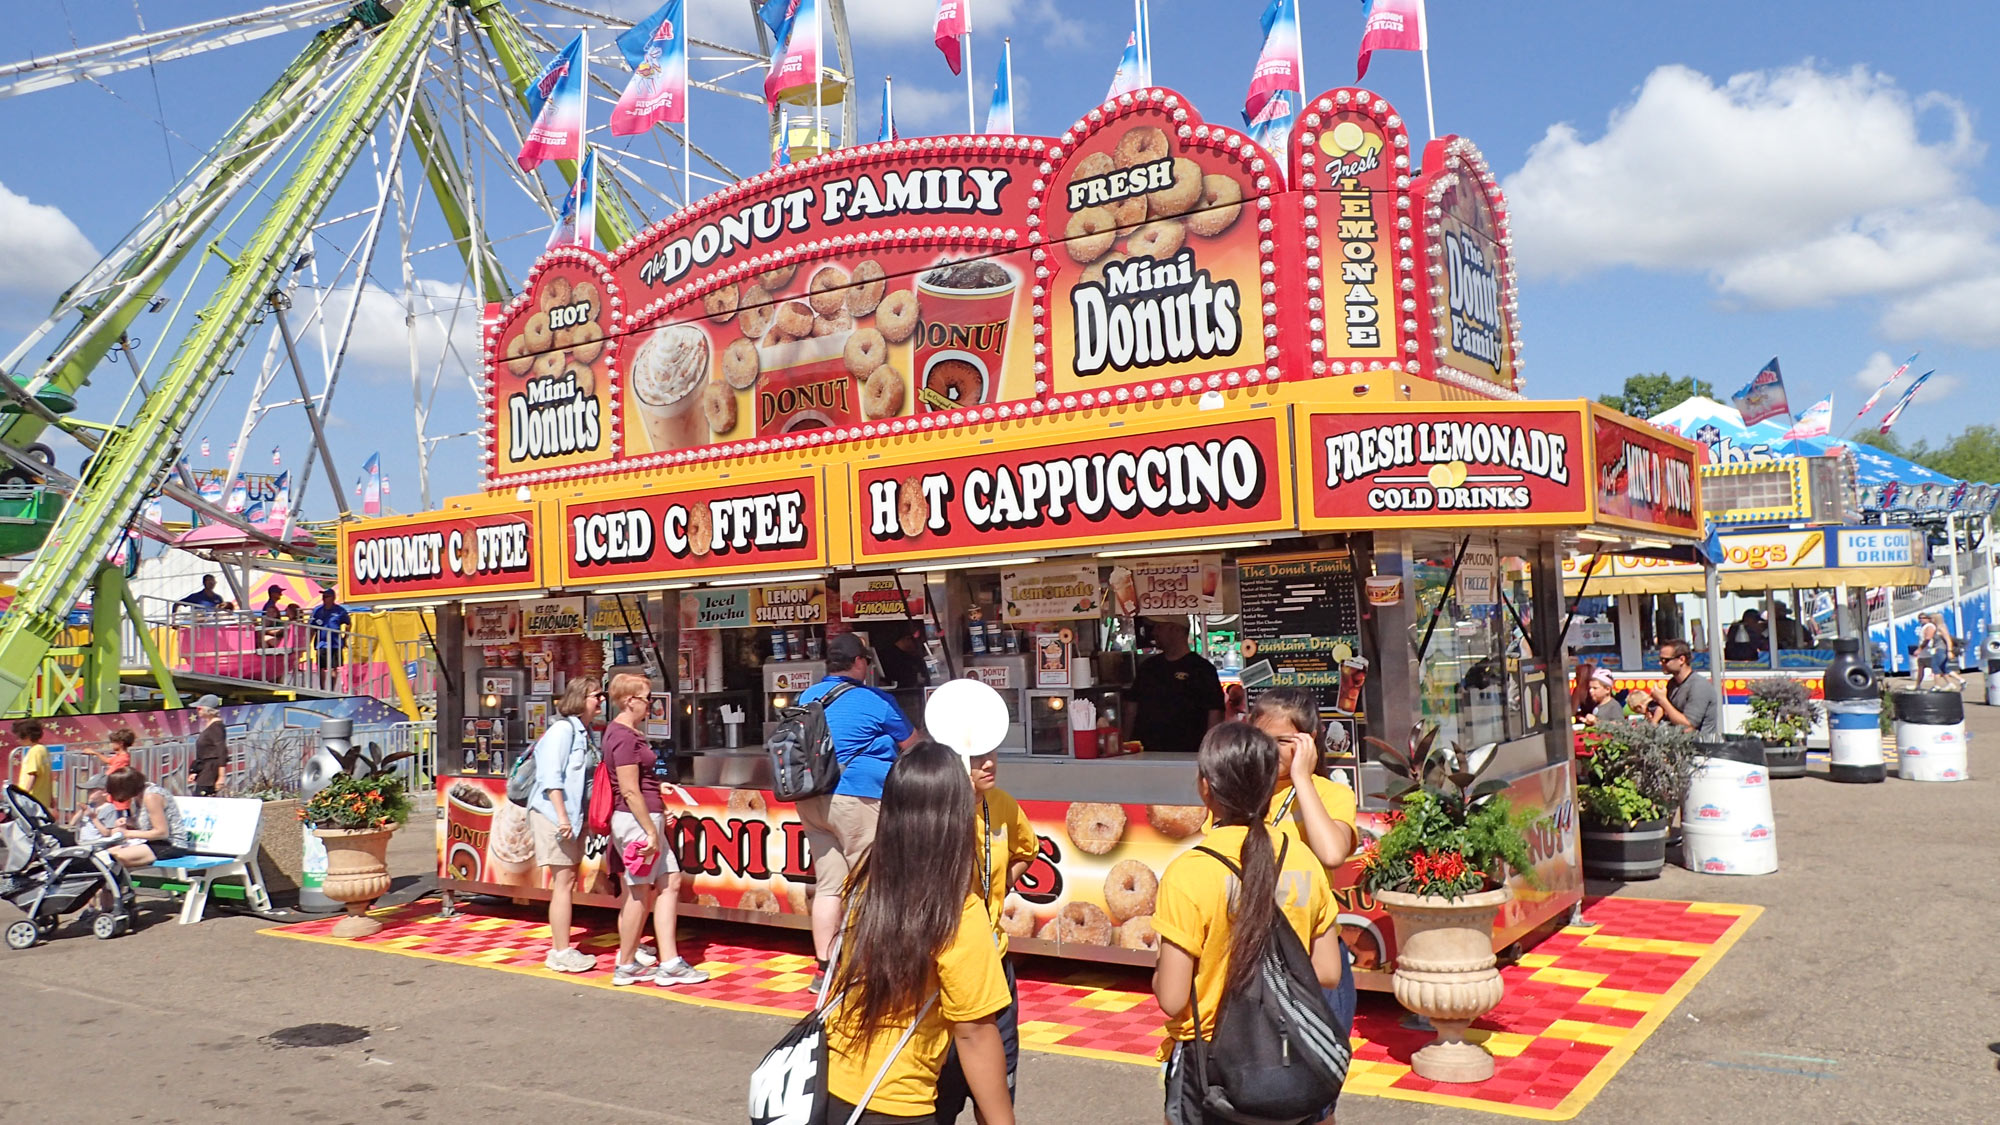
[(1281, 65), (1816, 421), (556, 98), (658, 89), (795, 60), (1390, 25), (954, 19)]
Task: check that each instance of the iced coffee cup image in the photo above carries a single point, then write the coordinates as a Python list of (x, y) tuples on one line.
[(960, 346), (510, 852), (668, 372), (468, 825)]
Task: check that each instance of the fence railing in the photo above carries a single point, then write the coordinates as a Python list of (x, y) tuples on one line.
[(239, 645)]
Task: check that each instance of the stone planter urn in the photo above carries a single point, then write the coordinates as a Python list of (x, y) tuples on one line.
[(357, 873), (1445, 973)]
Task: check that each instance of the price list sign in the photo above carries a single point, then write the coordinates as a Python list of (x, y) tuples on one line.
[(1301, 620)]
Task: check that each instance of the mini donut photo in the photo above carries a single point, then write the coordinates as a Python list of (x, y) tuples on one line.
[(718, 405), (547, 365), (539, 338), (824, 290), (832, 325), (586, 342), (882, 394), (1130, 890), (1080, 923), (1128, 212), (520, 357), (586, 292), (759, 901), (954, 380), (740, 364), (706, 899), (1179, 195), (777, 278), (701, 528), (746, 802), (720, 304), (1089, 234), (1095, 827), (1093, 274), (1137, 933), (1176, 821), (563, 338), (1017, 918), (1159, 240), (870, 283), (586, 379), (896, 316), (794, 320), (866, 350), (1092, 166), (1221, 201), (556, 293), (1141, 144), (754, 311), (913, 508)]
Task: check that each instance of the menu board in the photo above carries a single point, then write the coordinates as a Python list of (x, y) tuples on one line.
[(1301, 619)]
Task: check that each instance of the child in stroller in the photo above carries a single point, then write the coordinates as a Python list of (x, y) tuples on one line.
[(48, 877)]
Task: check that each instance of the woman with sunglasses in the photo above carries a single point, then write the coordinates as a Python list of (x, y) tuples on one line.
[(555, 812)]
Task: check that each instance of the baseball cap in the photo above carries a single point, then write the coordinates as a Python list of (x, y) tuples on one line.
[(842, 651), (209, 702)]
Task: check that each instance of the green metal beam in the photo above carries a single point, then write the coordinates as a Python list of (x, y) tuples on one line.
[(104, 321), (126, 466), (100, 670)]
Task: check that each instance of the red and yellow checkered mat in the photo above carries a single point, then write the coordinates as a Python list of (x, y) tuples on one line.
[(1575, 1008)]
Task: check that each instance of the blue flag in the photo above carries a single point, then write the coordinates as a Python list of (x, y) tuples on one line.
[(1000, 114), (888, 130), (1763, 396)]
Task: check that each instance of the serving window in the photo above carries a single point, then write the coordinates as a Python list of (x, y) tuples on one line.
[(1481, 677)]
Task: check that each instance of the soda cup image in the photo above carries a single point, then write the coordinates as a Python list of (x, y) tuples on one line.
[(1353, 674), (468, 827), (960, 346)]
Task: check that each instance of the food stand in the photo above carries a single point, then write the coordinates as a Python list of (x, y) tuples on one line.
[(1010, 397)]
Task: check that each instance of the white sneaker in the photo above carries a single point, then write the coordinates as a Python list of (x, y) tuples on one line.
[(678, 971), (633, 974), (571, 960), (645, 956)]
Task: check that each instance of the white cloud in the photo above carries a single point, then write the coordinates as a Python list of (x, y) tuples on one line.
[(1786, 188), (922, 106), (42, 252), (379, 350), (1878, 367)]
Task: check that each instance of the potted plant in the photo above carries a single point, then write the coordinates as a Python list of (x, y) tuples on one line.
[(354, 817), (1630, 779), (1440, 872), (1782, 711)]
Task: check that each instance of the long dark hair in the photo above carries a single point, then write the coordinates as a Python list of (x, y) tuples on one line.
[(907, 893), (1240, 764)]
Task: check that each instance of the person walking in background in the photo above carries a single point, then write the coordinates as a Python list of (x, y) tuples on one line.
[(639, 823), (867, 730), (37, 774), (211, 747), (555, 809), (918, 956)]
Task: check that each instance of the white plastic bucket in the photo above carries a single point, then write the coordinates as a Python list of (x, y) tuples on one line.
[(1727, 827), (1854, 730), (1931, 753)]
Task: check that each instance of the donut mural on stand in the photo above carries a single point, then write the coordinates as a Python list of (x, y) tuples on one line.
[(551, 353)]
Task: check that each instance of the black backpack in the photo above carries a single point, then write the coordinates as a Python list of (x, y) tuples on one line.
[(803, 763), (1277, 1057)]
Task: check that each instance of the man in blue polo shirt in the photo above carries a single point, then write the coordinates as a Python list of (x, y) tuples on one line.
[(868, 731)]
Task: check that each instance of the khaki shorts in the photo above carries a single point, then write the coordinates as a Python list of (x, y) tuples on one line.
[(625, 828), (839, 828), (552, 850)]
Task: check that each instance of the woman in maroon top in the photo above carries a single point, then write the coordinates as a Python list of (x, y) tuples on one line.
[(638, 835)]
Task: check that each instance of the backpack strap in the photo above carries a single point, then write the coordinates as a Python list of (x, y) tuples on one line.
[(868, 1095), (1200, 1045), (835, 692)]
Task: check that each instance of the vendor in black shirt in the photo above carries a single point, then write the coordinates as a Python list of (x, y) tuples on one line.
[(1176, 695)]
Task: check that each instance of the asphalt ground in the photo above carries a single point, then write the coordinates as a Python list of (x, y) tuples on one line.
[(1866, 993)]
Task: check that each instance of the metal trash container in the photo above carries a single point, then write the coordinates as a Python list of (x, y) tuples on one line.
[(335, 737)]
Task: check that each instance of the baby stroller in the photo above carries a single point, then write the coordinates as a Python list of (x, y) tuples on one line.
[(47, 875)]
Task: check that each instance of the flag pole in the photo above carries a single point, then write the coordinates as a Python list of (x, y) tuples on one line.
[(889, 107), (1007, 45), (687, 113), (965, 60), (1424, 45), (1298, 25), (819, 93), (1139, 41)]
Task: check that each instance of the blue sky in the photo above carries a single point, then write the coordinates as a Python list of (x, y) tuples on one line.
[(1696, 186)]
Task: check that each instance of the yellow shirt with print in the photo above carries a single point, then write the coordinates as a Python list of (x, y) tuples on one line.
[(1193, 912), (1286, 816), (969, 986), (1010, 839), (35, 760)]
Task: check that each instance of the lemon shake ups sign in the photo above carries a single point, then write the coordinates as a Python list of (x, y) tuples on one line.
[(1525, 464)]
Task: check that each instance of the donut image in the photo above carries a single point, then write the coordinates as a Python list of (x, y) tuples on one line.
[(1089, 234), (896, 316), (1141, 145), (701, 529), (586, 342), (520, 356), (740, 365), (796, 898), (913, 508), (586, 291), (882, 392), (707, 900), (759, 900), (1159, 240), (1180, 195), (1128, 212), (866, 350), (720, 304), (956, 380), (824, 290), (746, 802), (1094, 827), (795, 320), (1094, 272), (775, 279), (548, 365), (1221, 201), (870, 283), (718, 405), (1016, 918), (754, 311), (1092, 166), (1137, 933), (1176, 821), (586, 379), (540, 339), (563, 338), (829, 325), (1130, 889), (1363, 941), (1082, 923), (556, 292)]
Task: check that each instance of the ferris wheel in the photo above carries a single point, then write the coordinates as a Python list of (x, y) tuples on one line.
[(378, 165)]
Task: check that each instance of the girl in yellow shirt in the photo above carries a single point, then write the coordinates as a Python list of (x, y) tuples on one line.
[(1213, 930), (917, 954)]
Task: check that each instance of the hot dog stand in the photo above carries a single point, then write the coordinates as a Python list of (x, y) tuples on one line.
[(1013, 397)]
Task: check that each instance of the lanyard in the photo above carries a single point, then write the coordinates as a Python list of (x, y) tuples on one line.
[(986, 850), (1284, 809)]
